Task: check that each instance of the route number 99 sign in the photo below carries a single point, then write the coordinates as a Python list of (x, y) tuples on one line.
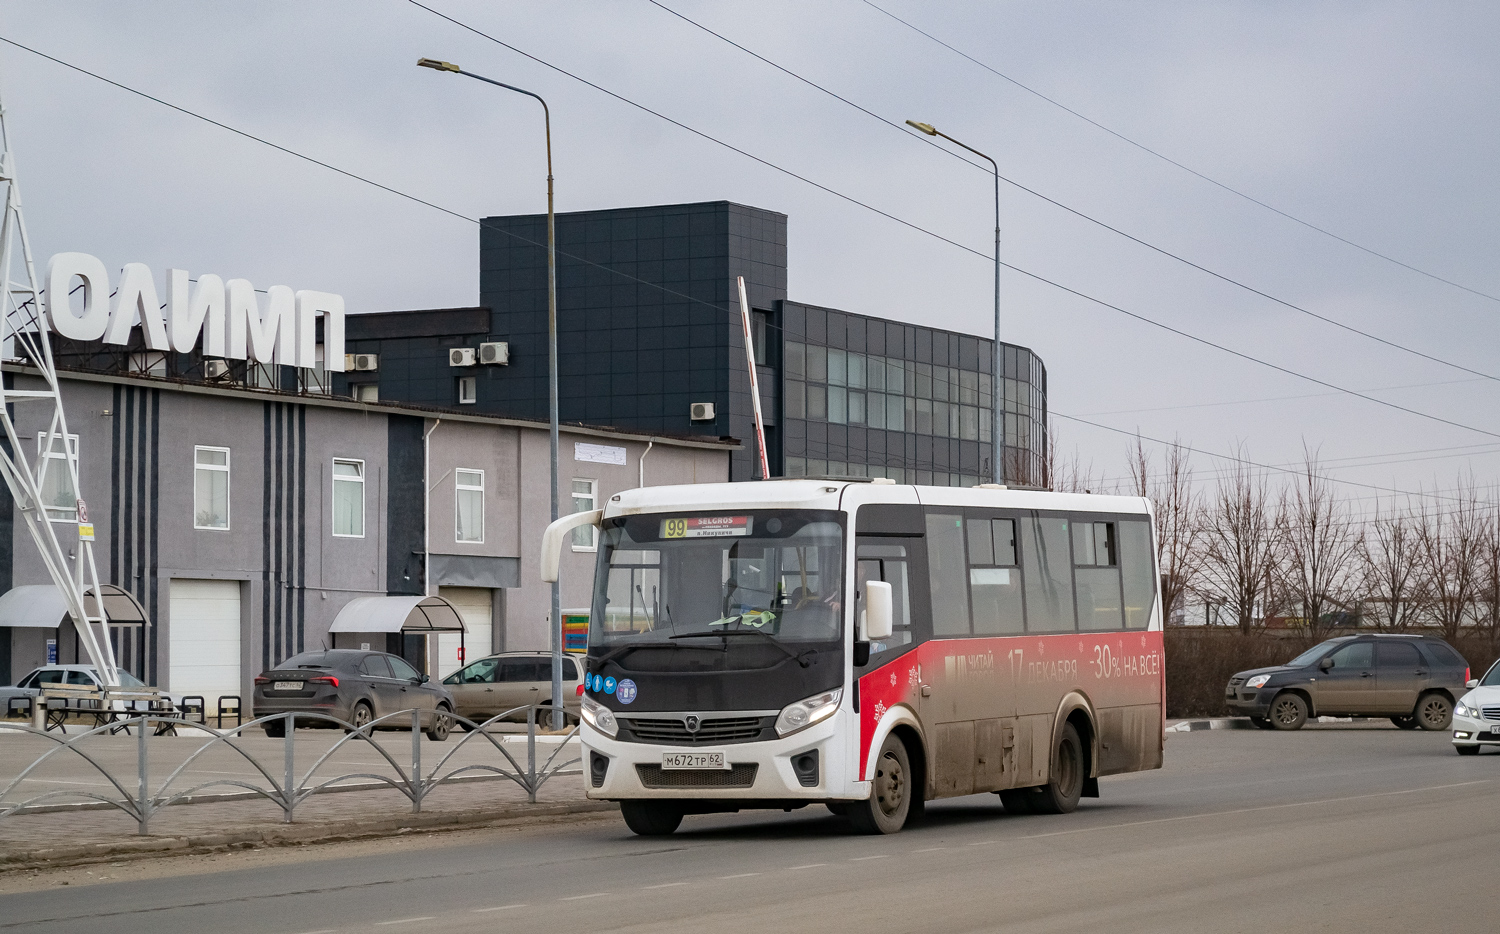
[(705, 526)]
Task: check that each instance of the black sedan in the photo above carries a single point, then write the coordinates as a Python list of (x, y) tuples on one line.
[(354, 686)]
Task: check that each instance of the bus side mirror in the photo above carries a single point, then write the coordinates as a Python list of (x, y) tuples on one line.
[(556, 534), (877, 611)]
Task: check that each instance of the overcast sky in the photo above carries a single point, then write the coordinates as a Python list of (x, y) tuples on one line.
[(1375, 122)]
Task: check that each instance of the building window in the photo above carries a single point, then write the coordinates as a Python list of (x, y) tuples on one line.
[(468, 505), (59, 498), (349, 498), (468, 390), (584, 495), (210, 488), (365, 392)]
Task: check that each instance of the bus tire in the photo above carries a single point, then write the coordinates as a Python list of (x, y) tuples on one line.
[(886, 810), (1016, 800), (651, 818), (1060, 795)]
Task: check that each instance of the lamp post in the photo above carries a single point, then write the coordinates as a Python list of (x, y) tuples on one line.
[(997, 430), (556, 618)]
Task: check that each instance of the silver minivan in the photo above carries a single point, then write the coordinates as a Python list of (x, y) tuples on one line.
[(497, 683)]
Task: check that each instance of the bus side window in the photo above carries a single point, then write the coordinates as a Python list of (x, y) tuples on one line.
[(994, 579), (1138, 564), (1046, 553), (948, 574), (1096, 575)]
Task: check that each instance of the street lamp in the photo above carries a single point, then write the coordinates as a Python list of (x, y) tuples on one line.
[(997, 431), (556, 620)]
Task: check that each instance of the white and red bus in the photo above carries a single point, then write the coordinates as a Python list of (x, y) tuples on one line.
[(867, 646)]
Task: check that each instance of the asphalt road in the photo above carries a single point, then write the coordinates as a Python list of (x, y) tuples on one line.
[(1366, 830)]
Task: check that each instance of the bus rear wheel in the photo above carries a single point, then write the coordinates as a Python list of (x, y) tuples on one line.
[(651, 818), (886, 810), (1060, 795)]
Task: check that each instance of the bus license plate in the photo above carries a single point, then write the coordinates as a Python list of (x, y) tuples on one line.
[(694, 760), (287, 686)]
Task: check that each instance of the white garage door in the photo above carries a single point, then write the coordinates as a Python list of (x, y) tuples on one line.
[(474, 606), (204, 650)]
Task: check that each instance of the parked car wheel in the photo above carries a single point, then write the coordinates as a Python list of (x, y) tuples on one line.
[(1407, 722), (1288, 711), (276, 729), (651, 818), (362, 715), (1471, 750), (1434, 712), (889, 803), (442, 724)]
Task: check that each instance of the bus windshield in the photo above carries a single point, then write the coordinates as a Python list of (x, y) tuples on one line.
[(697, 580)]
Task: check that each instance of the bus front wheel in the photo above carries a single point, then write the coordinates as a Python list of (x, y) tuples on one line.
[(890, 801), (651, 818)]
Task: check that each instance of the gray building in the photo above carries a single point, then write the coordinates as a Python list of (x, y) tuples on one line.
[(243, 520)]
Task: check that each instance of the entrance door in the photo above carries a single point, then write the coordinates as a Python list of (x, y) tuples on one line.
[(1400, 674), (1349, 686), (204, 646), (474, 605)]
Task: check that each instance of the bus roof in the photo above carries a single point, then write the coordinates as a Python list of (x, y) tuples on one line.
[(849, 494)]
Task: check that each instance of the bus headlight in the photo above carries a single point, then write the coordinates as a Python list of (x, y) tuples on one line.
[(805, 713), (600, 717)]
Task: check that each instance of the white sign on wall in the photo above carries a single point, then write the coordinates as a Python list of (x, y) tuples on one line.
[(598, 453), (232, 319)]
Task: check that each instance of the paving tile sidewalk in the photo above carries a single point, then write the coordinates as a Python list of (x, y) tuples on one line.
[(73, 836)]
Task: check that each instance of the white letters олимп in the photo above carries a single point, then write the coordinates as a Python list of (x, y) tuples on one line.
[(231, 318)]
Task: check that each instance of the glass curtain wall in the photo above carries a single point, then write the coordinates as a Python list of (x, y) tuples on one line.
[(856, 411)]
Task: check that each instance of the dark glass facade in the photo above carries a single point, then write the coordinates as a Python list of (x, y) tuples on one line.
[(864, 396)]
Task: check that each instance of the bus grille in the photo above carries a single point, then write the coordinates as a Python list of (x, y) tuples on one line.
[(711, 732), (738, 775)]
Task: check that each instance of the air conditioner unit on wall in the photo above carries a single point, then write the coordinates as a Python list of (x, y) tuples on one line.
[(215, 369), (461, 356), (362, 361), (494, 352), (702, 412)]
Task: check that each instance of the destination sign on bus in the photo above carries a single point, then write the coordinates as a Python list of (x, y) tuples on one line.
[(705, 527)]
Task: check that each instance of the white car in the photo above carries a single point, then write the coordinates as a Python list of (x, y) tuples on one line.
[(83, 676), (1476, 717)]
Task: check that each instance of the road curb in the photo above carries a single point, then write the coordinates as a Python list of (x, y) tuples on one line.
[(151, 847), (1216, 723)]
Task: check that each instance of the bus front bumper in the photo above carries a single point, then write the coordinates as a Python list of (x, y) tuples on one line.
[(810, 765)]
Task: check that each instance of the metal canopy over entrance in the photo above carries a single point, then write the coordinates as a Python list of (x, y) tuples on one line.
[(398, 614), (43, 606)]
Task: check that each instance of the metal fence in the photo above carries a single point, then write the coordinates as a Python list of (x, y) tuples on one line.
[(280, 781)]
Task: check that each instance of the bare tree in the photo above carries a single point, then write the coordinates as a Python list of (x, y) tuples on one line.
[(1389, 562), (1450, 543), (1489, 574), (1319, 547), (1238, 545), (1177, 506), (1071, 475)]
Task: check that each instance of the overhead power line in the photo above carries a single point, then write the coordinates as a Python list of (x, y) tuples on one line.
[(1074, 211), (1190, 170), (855, 201), (456, 214)]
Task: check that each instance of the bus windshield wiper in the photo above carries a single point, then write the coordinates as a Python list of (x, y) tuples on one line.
[(624, 649), (798, 657)]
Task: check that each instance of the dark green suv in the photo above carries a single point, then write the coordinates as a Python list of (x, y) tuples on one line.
[(1411, 679)]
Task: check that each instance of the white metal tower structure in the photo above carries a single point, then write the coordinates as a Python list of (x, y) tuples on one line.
[(24, 342)]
